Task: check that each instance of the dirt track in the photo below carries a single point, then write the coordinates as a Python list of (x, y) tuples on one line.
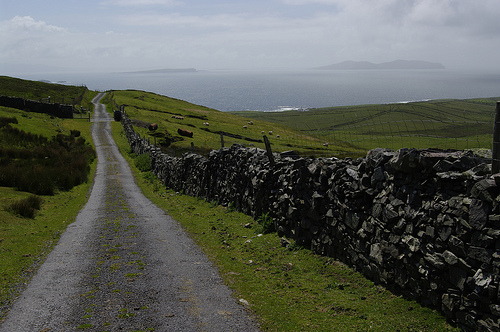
[(124, 265)]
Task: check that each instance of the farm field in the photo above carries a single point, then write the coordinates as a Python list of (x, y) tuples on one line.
[(349, 131), (207, 125), (42, 91), (444, 124)]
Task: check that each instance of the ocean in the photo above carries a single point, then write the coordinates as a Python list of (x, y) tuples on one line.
[(227, 90)]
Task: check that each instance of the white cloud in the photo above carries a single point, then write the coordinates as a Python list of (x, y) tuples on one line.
[(449, 31), (28, 24)]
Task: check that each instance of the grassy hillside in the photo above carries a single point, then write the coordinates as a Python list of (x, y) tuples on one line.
[(337, 131), (171, 114), (34, 90), (456, 124)]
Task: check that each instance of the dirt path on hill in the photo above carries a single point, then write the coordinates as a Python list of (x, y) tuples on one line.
[(124, 265)]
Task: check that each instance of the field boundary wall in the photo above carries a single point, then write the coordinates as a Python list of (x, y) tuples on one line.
[(55, 109), (423, 223)]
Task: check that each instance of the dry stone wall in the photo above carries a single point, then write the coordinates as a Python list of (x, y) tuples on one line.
[(425, 224), (55, 109)]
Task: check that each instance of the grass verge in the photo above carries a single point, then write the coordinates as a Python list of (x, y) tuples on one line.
[(287, 288), (24, 243)]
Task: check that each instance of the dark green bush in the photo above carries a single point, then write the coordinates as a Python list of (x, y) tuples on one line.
[(5, 120), (143, 162), (150, 177), (32, 163), (266, 224), (75, 133), (26, 207)]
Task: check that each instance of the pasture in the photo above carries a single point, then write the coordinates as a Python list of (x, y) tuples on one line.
[(41, 91), (444, 124), (207, 126), (348, 131)]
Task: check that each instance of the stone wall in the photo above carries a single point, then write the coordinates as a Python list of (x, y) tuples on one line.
[(425, 224), (59, 110)]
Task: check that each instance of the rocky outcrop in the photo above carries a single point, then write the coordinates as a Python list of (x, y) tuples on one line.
[(426, 224)]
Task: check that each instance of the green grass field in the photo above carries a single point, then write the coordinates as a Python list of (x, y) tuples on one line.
[(152, 108), (336, 131), (445, 124), (38, 91)]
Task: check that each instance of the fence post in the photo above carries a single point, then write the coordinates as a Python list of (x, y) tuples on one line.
[(221, 140), (269, 151), (495, 166)]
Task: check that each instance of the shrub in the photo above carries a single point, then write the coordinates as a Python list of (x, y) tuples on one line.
[(26, 207), (36, 180), (5, 120), (266, 224), (35, 164), (150, 177), (75, 133), (231, 207), (143, 162)]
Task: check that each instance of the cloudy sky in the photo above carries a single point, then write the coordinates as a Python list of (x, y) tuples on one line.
[(127, 35)]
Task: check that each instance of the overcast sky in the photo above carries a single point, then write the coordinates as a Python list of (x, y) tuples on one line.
[(127, 35)]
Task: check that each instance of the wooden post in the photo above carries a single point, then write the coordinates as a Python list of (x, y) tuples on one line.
[(495, 166), (221, 140), (269, 151)]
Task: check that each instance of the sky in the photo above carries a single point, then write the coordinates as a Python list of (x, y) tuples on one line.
[(130, 35)]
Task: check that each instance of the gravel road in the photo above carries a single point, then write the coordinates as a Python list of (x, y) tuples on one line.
[(124, 265)]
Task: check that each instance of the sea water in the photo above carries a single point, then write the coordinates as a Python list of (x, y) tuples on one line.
[(227, 90)]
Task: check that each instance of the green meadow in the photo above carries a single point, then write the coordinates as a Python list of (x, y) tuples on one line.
[(34, 90), (349, 131), (206, 124), (443, 124)]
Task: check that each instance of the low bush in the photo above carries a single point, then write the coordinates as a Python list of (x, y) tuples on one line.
[(150, 177), (26, 207), (35, 164), (266, 224), (143, 162), (75, 133), (6, 120)]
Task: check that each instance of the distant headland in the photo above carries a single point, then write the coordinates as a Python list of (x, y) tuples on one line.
[(397, 64), (163, 71)]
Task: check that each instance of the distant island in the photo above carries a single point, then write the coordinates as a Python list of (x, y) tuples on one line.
[(397, 64), (163, 71)]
